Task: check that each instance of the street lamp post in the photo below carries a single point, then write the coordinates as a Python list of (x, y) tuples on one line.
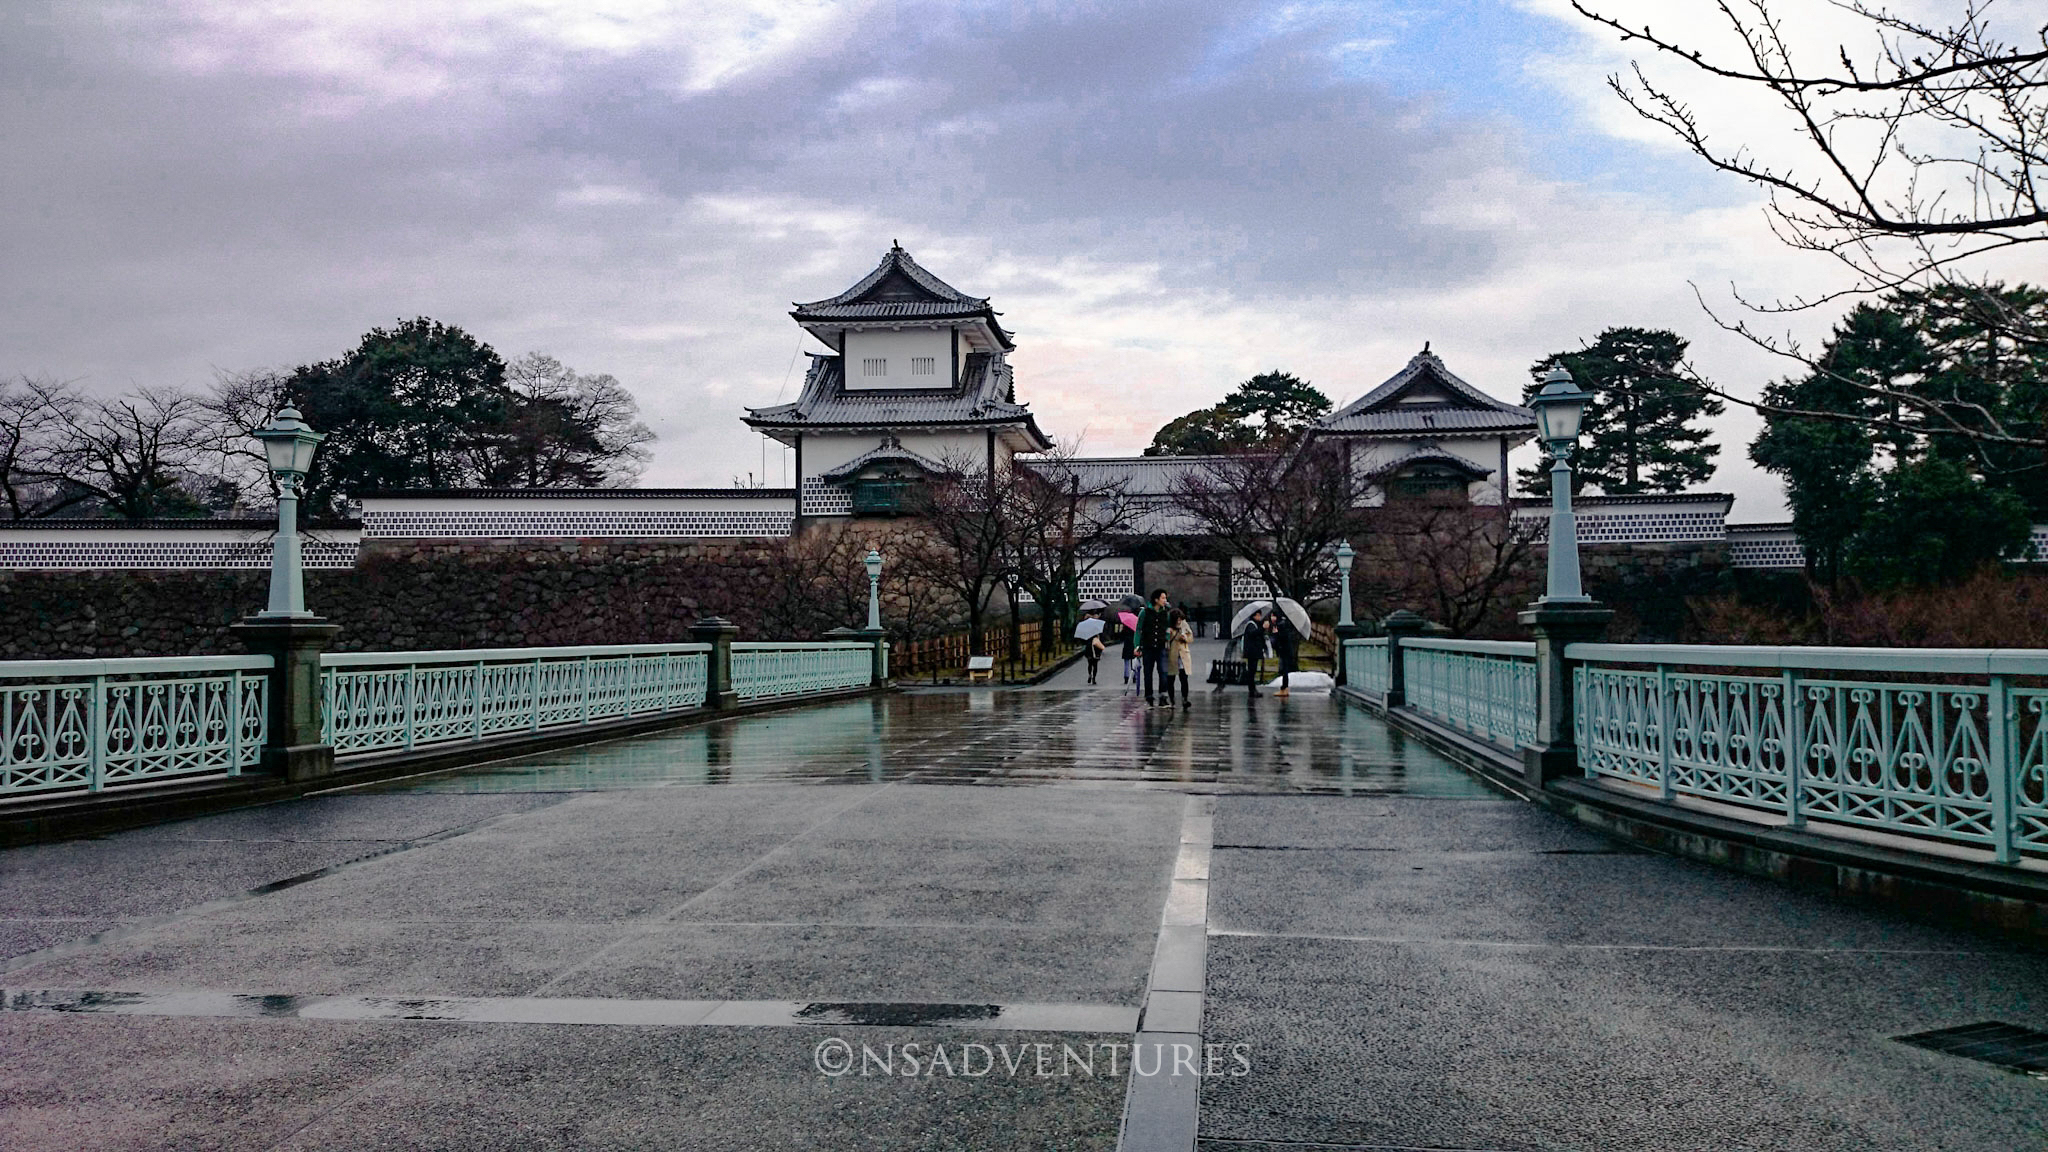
[(1560, 407), (284, 631), (1344, 558), (1347, 628), (288, 445), (874, 633), (1564, 615), (874, 567)]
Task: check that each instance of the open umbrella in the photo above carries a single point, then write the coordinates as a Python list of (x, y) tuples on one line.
[(1092, 605), (1296, 614), (1133, 601), (1088, 629), (1130, 620)]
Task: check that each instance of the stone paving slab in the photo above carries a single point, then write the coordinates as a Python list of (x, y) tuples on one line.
[(1440, 1046), (1412, 960)]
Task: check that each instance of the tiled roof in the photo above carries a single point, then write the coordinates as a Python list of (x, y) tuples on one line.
[(887, 450), (826, 403), (900, 288), (1465, 408), (1140, 475)]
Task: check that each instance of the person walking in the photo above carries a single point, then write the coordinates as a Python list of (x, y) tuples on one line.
[(1152, 626), (1089, 632), (1129, 637), (1180, 657), (1287, 645), (1254, 648)]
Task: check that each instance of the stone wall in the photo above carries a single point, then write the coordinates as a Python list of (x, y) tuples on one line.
[(407, 595), (411, 595)]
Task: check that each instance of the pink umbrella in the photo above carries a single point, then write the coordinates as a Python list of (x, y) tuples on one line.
[(1129, 619)]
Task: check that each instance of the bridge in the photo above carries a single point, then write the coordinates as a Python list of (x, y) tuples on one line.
[(1038, 918), (1550, 894)]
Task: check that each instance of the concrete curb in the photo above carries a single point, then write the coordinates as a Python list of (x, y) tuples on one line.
[(1999, 900)]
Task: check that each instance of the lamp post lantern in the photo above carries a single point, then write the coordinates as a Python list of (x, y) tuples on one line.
[(1560, 407), (1564, 615), (1344, 558), (288, 446), (874, 567), (294, 743)]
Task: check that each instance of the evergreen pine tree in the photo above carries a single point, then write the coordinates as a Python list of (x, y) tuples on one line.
[(1639, 434)]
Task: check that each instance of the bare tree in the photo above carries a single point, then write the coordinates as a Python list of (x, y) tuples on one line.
[(1920, 153), (563, 429), (1061, 520), (968, 530), (133, 455), (1456, 563), (1283, 513), (32, 421)]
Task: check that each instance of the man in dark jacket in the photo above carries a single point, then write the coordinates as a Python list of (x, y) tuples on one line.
[(1254, 648), (1152, 625)]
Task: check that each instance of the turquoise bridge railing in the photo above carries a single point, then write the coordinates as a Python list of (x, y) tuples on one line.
[(1942, 745), (1365, 665), (764, 671), (376, 701), (90, 725), (1486, 688)]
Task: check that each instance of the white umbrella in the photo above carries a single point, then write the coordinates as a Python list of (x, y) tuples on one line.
[(1296, 614), (1087, 629), (1092, 605)]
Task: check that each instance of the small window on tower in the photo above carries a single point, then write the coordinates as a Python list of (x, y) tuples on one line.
[(924, 366), (875, 366)]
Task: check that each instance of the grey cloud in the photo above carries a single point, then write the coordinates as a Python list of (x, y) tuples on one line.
[(158, 223)]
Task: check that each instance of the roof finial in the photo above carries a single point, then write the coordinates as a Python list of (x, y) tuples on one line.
[(1425, 346), (896, 245)]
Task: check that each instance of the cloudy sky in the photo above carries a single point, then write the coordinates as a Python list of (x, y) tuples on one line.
[(1162, 198)]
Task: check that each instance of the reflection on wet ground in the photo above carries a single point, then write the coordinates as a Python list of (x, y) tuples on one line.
[(1306, 743)]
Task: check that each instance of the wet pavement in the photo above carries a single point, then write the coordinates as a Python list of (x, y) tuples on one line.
[(656, 943)]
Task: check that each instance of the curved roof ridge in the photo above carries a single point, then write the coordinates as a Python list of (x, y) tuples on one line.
[(1377, 411), (898, 260)]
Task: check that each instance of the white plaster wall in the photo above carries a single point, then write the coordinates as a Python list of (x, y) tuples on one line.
[(1368, 456), (899, 348), (825, 451)]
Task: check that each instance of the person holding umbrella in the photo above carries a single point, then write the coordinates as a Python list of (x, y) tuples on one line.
[(1089, 633), (1254, 648), (1152, 628), (1127, 629), (1286, 645)]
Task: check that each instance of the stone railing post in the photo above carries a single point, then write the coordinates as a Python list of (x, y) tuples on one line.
[(1556, 625), (1399, 626), (718, 632), (294, 748)]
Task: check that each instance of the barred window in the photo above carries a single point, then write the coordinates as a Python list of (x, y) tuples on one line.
[(875, 366), (924, 365)]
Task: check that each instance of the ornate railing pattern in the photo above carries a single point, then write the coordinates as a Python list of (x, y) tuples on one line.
[(1484, 687), (372, 701), (88, 725), (1962, 761), (762, 671), (1365, 665)]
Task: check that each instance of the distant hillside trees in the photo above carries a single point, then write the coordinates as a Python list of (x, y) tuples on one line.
[(419, 405), (1911, 451), (1263, 413), (1642, 430)]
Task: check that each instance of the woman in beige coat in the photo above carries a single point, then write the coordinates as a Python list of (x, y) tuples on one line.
[(1180, 658)]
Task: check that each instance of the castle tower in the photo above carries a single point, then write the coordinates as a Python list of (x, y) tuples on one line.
[(917, 382)]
